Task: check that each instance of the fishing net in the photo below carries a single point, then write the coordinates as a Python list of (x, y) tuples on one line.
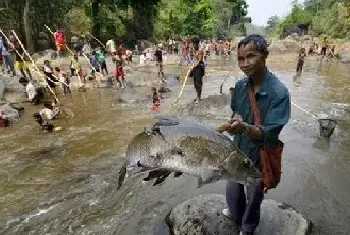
[(327, 127)]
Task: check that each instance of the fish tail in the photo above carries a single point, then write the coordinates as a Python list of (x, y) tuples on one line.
[(121, 176)]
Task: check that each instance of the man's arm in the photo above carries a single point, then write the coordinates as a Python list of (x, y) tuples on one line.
[(276, 117)]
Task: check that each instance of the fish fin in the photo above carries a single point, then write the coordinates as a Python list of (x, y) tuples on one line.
[(209, 176), (161, 179), (121, 175), (200, 182), (177, 174)]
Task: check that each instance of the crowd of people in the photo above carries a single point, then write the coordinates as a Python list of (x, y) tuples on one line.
[(323, 48), (250, 132)]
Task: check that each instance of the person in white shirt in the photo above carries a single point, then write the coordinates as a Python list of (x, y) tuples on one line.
[(142, 58), (149, 56), (46, 115), (110, 45), (34, 96), (87, 49)]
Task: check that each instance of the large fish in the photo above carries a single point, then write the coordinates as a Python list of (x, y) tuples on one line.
[(182, 146)]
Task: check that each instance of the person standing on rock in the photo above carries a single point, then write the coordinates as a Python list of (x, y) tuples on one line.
[(60, 42), (197, 73), (7, 61), (22, 62), (263, 93), (158, 55)]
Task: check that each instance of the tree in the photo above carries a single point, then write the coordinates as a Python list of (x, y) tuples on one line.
[(272, 23), (28, 26)]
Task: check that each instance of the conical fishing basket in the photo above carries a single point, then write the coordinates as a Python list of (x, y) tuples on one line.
[(327, 127)]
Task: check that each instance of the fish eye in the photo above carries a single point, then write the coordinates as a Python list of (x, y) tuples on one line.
[(139, 164), (246, 163)]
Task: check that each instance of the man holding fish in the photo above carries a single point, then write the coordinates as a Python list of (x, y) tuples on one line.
[(261, 105)]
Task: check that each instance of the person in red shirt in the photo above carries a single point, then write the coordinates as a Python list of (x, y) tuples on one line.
[(60, 42)]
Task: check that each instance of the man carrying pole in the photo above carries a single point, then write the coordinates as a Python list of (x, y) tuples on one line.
[(60, 42)]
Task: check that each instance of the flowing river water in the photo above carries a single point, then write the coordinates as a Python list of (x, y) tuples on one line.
[(65, 182)]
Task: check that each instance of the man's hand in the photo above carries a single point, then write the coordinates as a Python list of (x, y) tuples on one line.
[(223, 127), (235, 126)]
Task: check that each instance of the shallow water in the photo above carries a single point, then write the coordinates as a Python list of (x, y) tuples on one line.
[(65, 182)]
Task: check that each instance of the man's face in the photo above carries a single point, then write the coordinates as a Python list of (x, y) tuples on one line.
[(250, 61)]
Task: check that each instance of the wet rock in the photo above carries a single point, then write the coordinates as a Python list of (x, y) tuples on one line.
[(202, 215), (10, 112), (213, 105)]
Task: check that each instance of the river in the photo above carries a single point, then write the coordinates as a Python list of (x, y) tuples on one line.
[(65, 182)]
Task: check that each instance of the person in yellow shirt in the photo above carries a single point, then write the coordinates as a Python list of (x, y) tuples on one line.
[(75, 68), (324, 46)]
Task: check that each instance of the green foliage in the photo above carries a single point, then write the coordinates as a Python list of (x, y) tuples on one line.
[(272, 24), (330, 17), (127, 20), (204, 18)]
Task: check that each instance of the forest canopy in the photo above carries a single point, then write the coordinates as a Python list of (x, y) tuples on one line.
[(126, 20)]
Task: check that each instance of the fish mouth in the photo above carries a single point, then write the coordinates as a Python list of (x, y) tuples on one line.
[(134, 170)]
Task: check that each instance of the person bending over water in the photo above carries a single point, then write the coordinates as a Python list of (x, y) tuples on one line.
[(46, 115)]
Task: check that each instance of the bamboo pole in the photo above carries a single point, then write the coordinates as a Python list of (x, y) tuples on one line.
[(97, 40), (34, 65), (23, 60)]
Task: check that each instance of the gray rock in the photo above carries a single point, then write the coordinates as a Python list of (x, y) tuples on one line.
[(11, 113), (213, 105), (344, 57), (202, 216), (292, 45)]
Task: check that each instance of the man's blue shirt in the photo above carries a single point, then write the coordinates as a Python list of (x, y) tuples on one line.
[(274, 104)]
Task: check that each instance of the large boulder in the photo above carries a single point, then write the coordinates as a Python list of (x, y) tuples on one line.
[(213, 105), (293, 36), (10, 112), (277, 46), (292, 45), (202, 216)]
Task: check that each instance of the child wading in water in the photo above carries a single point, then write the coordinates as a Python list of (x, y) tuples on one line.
[(156, 97), (197, 73), (63, 79), (301, 59), (119, 71)]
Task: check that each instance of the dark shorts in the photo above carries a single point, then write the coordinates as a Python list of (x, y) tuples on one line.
[(323, 50)]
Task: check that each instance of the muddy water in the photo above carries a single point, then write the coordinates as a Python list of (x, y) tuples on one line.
[(64, 183)]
